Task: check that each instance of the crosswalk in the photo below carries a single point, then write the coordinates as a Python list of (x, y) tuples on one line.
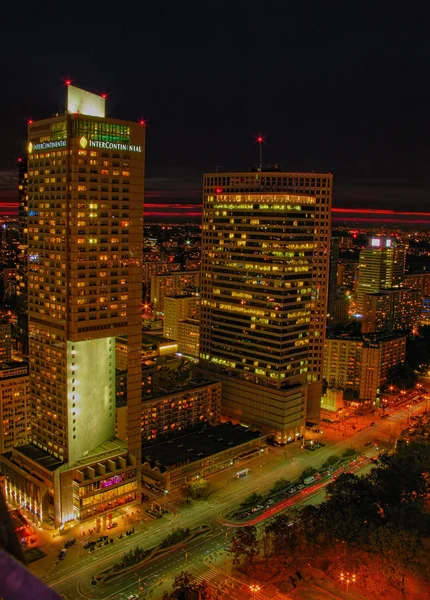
[(207, 576)]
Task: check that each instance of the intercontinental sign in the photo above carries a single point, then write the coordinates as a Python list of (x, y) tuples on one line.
[(115, 146), (83, 142), (46, 146)]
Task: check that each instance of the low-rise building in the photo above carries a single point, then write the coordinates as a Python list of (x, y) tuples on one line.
[(175, 462), (165, 412)]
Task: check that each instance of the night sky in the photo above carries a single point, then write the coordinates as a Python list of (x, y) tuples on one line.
[(334, 86)]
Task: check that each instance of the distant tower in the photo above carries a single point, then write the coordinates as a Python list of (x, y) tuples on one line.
[(381, 267)]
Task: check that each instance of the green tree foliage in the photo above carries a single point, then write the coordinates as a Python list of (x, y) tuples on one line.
[(245, 543), (308, 472), (197, 489), (403, 476), (279, 485), (185, 588), (349, 452), (252, 500), (333, 459), (176, 536)]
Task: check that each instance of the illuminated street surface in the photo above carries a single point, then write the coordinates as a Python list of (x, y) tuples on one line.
[(72, 576)]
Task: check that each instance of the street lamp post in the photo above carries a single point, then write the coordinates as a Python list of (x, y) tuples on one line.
[(165, 494), (254, 589), (348, 578)]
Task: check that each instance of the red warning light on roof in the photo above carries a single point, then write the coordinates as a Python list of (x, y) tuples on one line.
[(218, 190), (142, 121), (259, 139), (19, 159), (104, 96), (30, 121), (68, 82)]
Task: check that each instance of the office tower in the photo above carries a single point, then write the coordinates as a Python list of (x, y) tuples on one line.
[(173, 284), (5, 342), (380, 267), (265, 259), (14, 405), (392, 310), (176, 309), (332, 277), (85, 230)]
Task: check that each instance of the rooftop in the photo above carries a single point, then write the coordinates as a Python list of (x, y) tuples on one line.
[(39, 456), (195, 446)]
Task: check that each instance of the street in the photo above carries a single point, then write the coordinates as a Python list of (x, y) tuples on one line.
[(72, 576)]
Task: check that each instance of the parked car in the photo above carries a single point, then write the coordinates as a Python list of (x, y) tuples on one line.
[(90, 544), (62, 554), (112, 525), (70, 543)]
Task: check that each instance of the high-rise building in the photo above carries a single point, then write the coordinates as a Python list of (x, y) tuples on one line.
[(265, 260), (21, 276), (5, 342), (176, 309), (361, 365), (332, 277), (380, 267), (189, 337), (392, 310), (173, 284), (14, 405), (85, 240)]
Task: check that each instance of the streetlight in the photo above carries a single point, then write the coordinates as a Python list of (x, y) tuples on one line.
[(348, 578), (254, 589), (165, 494)]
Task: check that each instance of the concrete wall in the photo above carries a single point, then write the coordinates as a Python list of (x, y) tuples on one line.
[(91, 395)]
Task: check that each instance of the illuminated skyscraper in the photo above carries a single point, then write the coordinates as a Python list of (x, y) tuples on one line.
[(85, 239), (381, 267), (265, 259)]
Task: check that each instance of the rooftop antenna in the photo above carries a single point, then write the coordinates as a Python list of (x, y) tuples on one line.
[(260, 141)]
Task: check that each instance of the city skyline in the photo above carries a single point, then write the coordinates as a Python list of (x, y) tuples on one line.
[(351, 99)]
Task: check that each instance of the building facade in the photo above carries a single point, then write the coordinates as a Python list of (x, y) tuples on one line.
[(85, 240), (5, 342), (14, 405), (176, 309), (173, 284), (392, 310), (189, 338), (265, 259), (362, 365), (380, 268)]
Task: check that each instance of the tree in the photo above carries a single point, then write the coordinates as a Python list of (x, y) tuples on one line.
[(185, 588), (403, 476), (197, 489), (398, 549), (245, 543), (279, 485), (308, 472), (282, 534), (331, 460), (252, 500)]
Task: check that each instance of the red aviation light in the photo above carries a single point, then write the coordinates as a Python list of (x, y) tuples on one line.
[(104, 96), (30, 122), (68, 81), (142, 121)]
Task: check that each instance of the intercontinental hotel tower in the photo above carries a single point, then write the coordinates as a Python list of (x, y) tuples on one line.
[(85, 238)]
